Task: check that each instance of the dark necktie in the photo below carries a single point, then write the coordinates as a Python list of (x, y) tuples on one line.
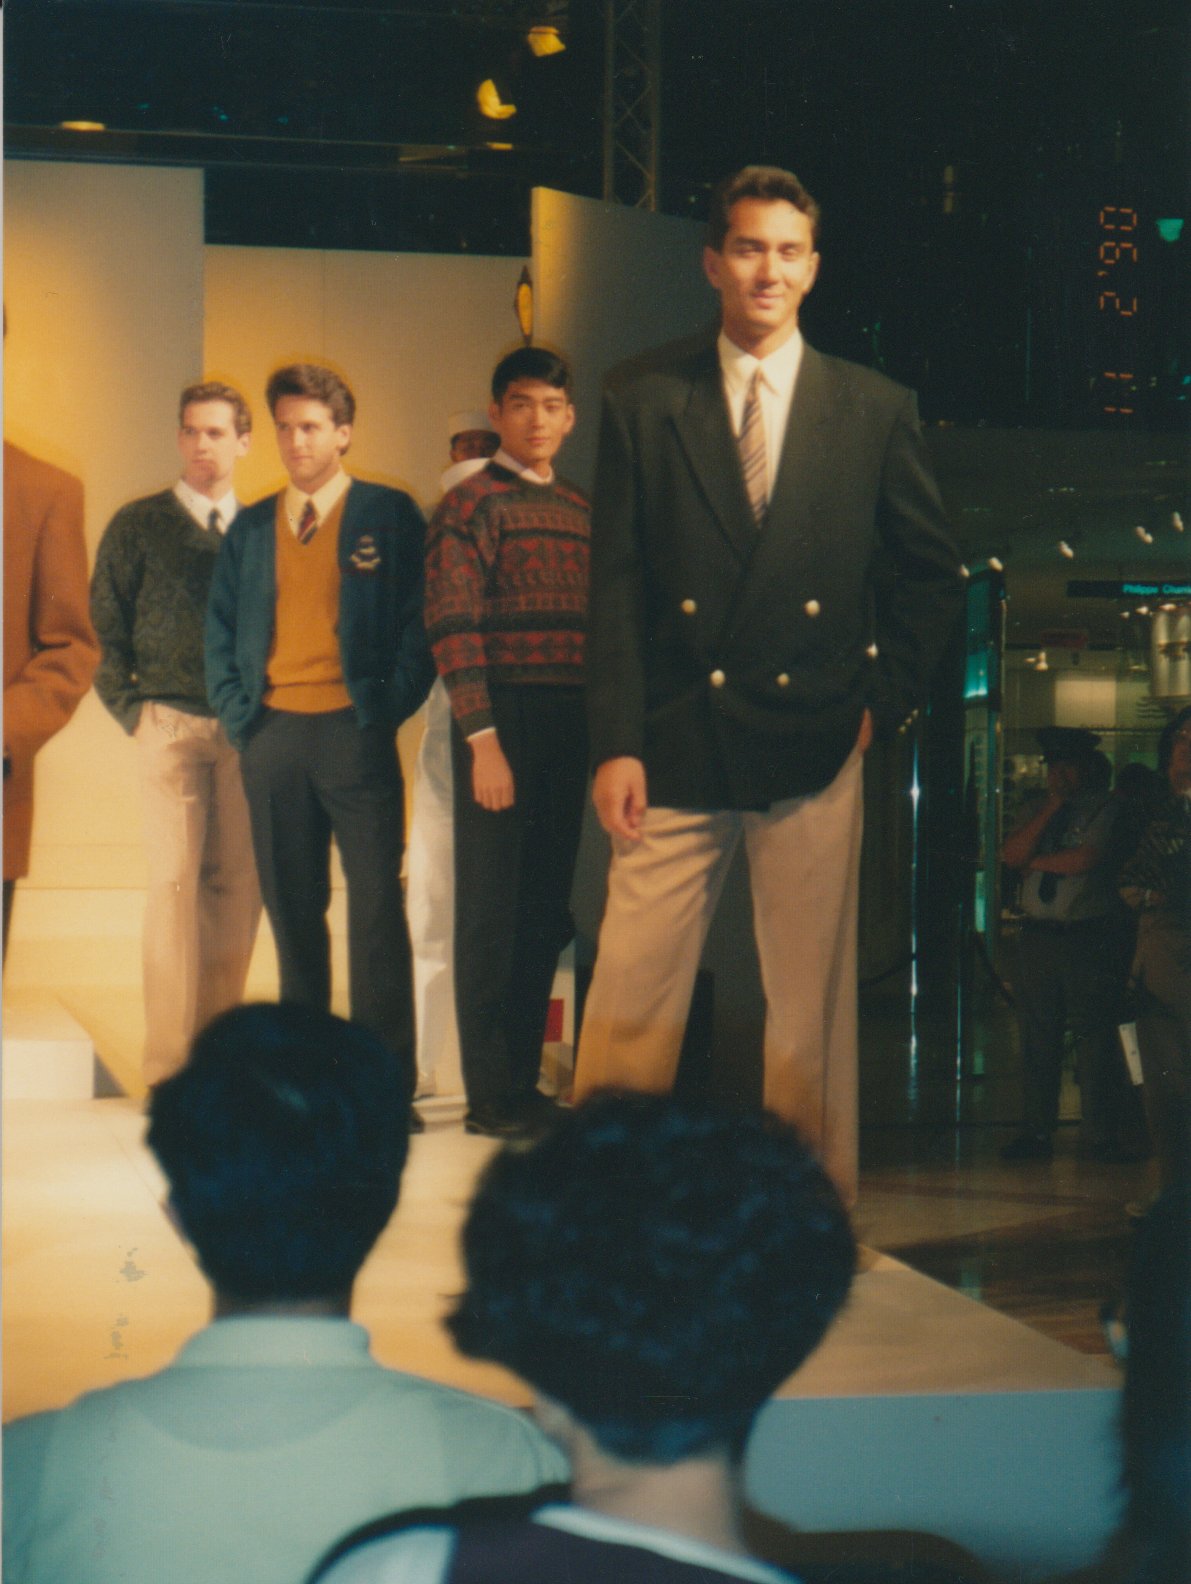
[(214, 520), (307, 523), (1048, 886), (752, 452)]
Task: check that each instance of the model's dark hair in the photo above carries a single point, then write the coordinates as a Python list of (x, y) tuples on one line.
[(657, 1267), (1169, 732), (770, 184), (530, 363), (318, 384), (283, 1141), (216, 390)]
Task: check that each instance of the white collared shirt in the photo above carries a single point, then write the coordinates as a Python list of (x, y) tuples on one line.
[(324, 499), (511, 465), (779, 373), (201, 506)]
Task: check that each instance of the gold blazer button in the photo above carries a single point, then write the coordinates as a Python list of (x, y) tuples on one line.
[(718, 679)]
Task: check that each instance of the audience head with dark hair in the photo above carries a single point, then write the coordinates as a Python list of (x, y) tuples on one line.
[(283, 1142), (1155, 1543), (656, 1270)]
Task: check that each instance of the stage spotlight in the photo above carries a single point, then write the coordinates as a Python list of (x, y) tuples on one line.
[(523, 304), (544, 41), (490, 103)]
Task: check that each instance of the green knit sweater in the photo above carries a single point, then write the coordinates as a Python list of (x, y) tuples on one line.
[(148, 601)]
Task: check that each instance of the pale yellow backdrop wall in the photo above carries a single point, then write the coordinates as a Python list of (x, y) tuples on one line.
[(114, 304), (103, 283)]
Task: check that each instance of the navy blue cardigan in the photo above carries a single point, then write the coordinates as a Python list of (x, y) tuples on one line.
[(387, 666)]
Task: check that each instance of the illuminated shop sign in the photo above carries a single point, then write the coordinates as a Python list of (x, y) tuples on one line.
[(1130, 589)]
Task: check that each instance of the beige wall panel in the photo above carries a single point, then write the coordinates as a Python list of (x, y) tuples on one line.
[(415, 335), (103, 284), (610, 282)]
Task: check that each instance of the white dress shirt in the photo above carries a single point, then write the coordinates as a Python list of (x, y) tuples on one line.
[(324, 499), (529, 474), (200, 506), (778, 375)]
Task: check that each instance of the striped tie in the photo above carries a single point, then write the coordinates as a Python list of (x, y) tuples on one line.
[(307, 523), (752, 451)]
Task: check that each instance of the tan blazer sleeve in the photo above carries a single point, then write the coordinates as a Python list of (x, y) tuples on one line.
[(50, 648)]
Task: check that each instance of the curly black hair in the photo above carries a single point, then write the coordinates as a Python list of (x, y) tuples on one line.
[(656, 1267)]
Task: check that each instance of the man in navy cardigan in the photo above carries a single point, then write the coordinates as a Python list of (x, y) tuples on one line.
[(315, 654)]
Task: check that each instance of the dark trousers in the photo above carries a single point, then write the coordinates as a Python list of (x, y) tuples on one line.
[(1163, 970), (1073, 977), (309, 778), (513, 872)]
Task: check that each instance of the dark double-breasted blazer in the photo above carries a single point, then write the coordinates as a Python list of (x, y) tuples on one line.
[(736, 662)]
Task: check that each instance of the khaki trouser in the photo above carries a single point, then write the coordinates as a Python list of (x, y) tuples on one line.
[(804, 866), (203, 902)]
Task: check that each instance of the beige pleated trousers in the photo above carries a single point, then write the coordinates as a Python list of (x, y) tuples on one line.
[(804, 869), (202, 903)]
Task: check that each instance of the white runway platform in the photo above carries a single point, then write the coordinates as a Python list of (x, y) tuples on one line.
[(923, 1410)]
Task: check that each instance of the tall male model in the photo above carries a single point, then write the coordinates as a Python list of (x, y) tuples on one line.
[(148, 602), (772, 580)]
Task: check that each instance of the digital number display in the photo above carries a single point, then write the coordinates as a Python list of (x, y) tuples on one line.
[(1117, 302)]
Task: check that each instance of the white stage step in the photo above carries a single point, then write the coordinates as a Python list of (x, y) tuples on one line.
[(47, 1053)]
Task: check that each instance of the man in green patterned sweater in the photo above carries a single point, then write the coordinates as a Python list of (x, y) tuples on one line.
[(148, 602)]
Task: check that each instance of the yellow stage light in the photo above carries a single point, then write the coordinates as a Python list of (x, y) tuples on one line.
[(523, 304), (489, 101), (545, 41)]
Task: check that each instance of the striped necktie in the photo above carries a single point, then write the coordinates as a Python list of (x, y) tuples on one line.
[(214, 520), (752, 451), (307, 523)]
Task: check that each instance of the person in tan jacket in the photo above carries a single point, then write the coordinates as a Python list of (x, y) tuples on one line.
[(50, 650)]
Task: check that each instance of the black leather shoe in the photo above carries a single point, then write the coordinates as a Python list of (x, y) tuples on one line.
[(493, 1121), (1028, 1147)]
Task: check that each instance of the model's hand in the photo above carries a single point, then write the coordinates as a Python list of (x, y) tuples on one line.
[(491, 774), (864, 736), (618, 793)]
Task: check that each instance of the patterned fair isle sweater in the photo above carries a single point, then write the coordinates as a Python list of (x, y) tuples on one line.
[(148, 600), (506, 588)]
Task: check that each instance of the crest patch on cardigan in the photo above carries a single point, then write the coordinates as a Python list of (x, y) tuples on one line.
[(365, 557)]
